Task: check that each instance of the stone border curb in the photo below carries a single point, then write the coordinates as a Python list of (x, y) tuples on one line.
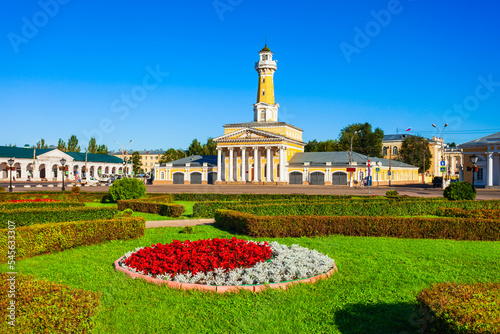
[(222, 288)]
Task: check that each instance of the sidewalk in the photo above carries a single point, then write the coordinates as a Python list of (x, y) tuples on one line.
[(178, 222)]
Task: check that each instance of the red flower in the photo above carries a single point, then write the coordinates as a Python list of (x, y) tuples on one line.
[(198, 256)]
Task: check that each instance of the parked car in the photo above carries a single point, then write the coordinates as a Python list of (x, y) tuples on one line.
[(90, 181), (104, 178), (437, 181)]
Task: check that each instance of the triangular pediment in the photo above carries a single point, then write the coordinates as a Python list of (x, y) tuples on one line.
[(248, 134), (54, 154)]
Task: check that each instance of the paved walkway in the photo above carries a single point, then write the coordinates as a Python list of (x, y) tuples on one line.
[(178, 222)]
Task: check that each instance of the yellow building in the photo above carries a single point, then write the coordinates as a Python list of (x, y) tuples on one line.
[(488, 165), (148, 158), (267, 151)]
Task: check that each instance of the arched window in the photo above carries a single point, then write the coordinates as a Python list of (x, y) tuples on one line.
[(384, 151), (263, 115), (162, 175), (395, 150), (263, 92)]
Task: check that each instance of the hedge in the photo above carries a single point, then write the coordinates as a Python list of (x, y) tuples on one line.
[(398, 227), (66, 196), (49, 238), (26, 217), (42, 307), (460, 308), (476, 213), (163, 209), (20, 205), (387, 207)]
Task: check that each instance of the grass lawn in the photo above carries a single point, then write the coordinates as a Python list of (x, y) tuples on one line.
[(152, 216), (373, 292)]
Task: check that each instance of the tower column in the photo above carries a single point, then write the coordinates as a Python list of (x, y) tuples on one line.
[(219, 164), (489, 169), (269, 164), (282, 177), (243, 163), (231, 167), (256, 165)]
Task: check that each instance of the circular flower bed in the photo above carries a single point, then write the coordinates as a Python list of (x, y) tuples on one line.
[(227, 262)]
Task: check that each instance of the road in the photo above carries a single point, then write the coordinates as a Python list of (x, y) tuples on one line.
[(410, 190)]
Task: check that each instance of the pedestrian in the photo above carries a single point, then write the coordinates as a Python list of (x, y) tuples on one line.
[(14, 178), (28, 178)]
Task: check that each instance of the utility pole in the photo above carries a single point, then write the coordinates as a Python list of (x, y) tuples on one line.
[(350, 157), (124, 153), (442, 151)]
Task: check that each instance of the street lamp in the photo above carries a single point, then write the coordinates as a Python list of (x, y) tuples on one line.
[(63, 162), (350, 156), (124, 152), (442, 148), (124, 166), (473, 160), (11, 162)]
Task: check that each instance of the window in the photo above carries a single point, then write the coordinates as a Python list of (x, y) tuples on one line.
[(262, 115), (480, 174), (263, 80), (162, 175), (384, 151), (395, 150), (263, 92)]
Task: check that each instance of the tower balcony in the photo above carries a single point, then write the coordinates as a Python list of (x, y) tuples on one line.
[(266, 64)]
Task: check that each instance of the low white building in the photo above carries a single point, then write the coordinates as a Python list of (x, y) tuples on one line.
[(43, 164)]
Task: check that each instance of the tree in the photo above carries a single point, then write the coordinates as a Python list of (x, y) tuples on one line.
[(92, 148), (366, 141), (412, 152), (210, 148), (452, 144), (102, 149), (41, 144), (73, 144), (171, 155), (311, 146), (195, 148), (61, 145), (136, 162), (329, 145)]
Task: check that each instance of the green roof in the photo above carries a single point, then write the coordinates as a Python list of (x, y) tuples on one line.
[(265, 49), (27, 153)]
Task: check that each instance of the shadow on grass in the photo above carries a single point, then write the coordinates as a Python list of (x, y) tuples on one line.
[(399, 318)]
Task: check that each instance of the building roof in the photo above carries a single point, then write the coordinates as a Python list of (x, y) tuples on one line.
[(264, 49), (340, 159), (397, 137), (259, 124), (27, 153), (145, 152), (196, 161), (487, 140)]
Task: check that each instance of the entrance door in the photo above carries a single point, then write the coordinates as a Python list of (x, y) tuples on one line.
[(178, 178), (339, 179), (295, 178), (317, 179), (212, 177), (195, 178)]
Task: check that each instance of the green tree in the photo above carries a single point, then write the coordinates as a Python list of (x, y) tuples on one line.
[(61, 145), (171, 154), (412, 152), (311, 146), (136, 162), (102, 149), (73, 144), (41, 144), (366, 141), (210, 148), (92, 148), (195, 148)]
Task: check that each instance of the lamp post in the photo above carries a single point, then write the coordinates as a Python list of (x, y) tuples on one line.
[(63, 162), (11, 162), (124, 166), (124, 153), (350, 156), (442, 148), (473, 160)]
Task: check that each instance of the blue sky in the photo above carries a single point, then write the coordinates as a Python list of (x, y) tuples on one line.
[(165, 72)]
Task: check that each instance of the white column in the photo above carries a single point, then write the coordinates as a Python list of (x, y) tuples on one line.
[(231, 161), (269, 164), (243, 163), (489, 170), (256, 165), (219, 163), (282, 164)]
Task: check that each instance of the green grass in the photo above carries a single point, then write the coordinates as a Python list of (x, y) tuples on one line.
[(152, 216), (373, 292)]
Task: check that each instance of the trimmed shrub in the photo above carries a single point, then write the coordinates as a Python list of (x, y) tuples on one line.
[(76, 190), (398, 227), (127, 213), (63, 196), (385, 207), (49, 238), (26, 217), (163, 209), (2, 189), (461, 308), (127, 188), (32, 205), (391, 193), (459, 191), (477, 213), (43, 306)]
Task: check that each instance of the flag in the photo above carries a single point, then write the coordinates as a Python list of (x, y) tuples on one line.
[(409, 129)]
